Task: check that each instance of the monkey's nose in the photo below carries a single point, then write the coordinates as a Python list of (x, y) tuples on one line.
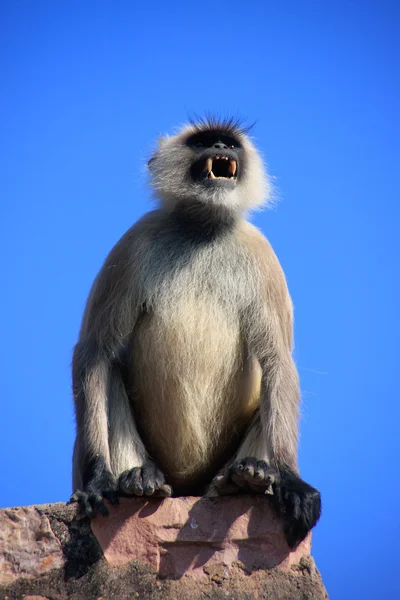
[(220, 145)]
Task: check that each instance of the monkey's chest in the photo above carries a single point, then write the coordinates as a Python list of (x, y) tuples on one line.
[(191, 340), (191, 384)]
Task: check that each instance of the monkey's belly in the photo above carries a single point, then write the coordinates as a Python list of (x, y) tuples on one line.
[(193, 391)]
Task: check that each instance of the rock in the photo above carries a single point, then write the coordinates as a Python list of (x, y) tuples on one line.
[(28, 546), (181, 548), (177, 536)]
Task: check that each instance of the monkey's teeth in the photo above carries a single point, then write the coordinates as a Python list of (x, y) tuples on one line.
[(228, 174)]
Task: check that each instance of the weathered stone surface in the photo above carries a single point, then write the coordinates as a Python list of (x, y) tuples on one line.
[(28, 546), (190, 535), (218, 560)]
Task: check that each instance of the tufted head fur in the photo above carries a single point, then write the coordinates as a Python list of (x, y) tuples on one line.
[(210, 162)]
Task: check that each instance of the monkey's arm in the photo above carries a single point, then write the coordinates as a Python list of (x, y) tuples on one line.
[(266, 461), (109, 456), (273, 438), (269, 328)]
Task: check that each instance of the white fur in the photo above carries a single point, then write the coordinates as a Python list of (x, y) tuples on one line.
[(171, 181)]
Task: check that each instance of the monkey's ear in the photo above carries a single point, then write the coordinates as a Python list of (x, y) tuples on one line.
[(151, 160)]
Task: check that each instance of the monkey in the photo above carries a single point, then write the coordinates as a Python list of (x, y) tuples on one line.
[(183, 377)]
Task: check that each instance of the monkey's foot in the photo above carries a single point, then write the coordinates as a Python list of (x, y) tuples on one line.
[(298, 503), (91, 499), (247, 475), (147, 480)]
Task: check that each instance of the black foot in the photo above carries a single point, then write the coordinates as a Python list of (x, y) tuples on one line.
[(147, 480), (102, 486), (247, 475), (298, 503)]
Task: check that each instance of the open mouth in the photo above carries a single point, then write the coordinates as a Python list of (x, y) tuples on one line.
[(221, 167)]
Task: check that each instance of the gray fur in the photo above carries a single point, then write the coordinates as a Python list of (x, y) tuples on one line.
[(184, 354)]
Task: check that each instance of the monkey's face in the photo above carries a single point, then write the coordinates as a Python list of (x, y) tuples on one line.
[(212, 163), (216, 159)]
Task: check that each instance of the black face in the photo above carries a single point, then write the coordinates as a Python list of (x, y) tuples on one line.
[(218, 157)]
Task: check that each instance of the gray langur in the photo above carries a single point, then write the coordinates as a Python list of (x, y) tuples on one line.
[(183, 376)]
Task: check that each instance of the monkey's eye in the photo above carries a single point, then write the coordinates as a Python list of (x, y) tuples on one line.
[(232, 146), (199, 145)]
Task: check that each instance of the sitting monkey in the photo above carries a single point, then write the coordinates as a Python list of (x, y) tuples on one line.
[(183, 376)]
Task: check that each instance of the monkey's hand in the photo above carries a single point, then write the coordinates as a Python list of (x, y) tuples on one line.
[(247, 475), (298, 503), (147, 480), (103, 486)]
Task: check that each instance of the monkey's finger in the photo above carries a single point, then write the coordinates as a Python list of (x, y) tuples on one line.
[(237, 467), (85, 506), (237, 472), (219, 481), (149, 488), (164, 490), (222, 486), (264, 473), (243, 469), (269, 479), (149, 479), (249, 469), (74, 498), (130, 482), (260, 471), (154, 482), (98, 506), (212, 492)]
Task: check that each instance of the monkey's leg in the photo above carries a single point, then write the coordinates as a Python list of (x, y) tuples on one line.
[(266, 462), (249, 470), (298, 503), (93, 479), (107, 439), (138, 475)]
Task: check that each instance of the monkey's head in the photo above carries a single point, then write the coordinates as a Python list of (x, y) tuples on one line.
[(212, 162)]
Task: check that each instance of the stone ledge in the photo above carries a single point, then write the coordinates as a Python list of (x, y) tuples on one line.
[(181, 548), (177, 536)]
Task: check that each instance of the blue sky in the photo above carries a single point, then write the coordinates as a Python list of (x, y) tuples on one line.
[(86, 89)]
